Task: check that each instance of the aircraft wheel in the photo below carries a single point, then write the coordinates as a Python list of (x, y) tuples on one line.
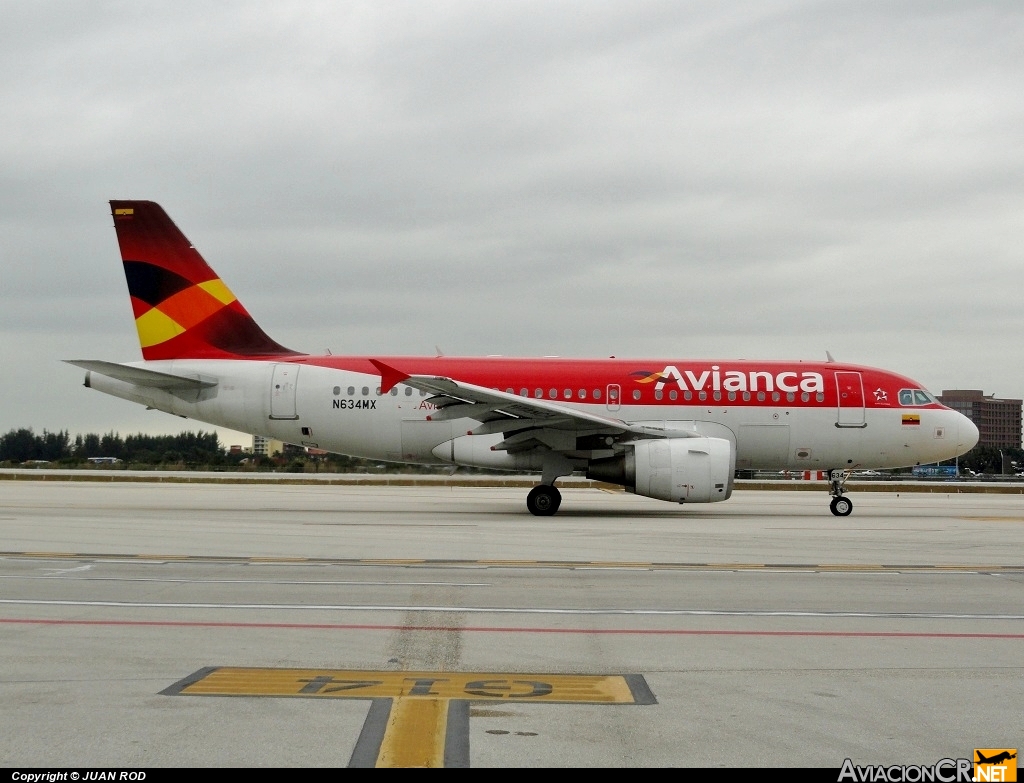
[(543, 500), (841, 506)]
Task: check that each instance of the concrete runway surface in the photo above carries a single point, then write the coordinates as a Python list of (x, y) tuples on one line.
[(163, 625)]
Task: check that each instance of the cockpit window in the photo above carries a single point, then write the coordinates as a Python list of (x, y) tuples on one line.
[(915, 397)]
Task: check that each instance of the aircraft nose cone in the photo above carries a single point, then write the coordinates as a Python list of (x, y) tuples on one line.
[(967, 433)]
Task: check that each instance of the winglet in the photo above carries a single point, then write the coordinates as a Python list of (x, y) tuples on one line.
[(389, 376)]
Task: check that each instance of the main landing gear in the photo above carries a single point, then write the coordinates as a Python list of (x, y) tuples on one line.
[(543, 500), (840, 506)]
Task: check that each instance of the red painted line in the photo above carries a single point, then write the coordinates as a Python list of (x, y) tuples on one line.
[(500, 629)]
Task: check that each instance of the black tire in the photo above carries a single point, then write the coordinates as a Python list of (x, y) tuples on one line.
[(841, 506), (543, 500)]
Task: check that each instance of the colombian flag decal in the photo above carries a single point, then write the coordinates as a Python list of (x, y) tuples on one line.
[(911, 419)]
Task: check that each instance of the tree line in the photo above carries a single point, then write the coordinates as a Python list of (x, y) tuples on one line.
[(204, 448), (200, 448)]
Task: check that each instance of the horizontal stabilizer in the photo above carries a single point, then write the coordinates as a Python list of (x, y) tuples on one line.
[(141, 376)]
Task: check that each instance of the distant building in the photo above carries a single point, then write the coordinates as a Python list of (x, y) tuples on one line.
[(998, 421), (266, 447)]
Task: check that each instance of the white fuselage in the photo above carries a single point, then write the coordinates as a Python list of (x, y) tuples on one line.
[(342, 411)]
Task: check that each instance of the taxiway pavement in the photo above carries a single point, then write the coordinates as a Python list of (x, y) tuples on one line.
[(213, 625)]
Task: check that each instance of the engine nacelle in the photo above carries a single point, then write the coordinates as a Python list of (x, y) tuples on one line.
[(694, 470), (476, 450)]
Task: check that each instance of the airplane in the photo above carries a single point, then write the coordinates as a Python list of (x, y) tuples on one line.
[(996, 759), (672, 429)]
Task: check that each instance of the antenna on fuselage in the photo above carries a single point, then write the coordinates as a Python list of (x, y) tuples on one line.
[(828, 357)]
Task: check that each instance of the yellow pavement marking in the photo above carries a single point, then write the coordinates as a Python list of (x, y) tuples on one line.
[(737, 565), (415, 733), (419, 704), (852, 567), (993, 519), (367, 684)]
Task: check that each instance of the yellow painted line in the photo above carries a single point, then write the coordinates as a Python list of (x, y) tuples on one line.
[(850, 567), (416, 718), (160, 557), (70, 555), (992, 519), (737, 565), (615, 564), (415, 733), (368, 684), (278, 559), (392, 561)]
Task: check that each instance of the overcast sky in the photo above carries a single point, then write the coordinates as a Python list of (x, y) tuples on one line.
[(760, 179)]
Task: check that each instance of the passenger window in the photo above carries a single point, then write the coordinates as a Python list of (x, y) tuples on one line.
[(366, 390), (790, 396), (524, 392), (820, 397), (718, 396), (337, 390), (636, 394), (775, 397), (583, 394), (351, 390), (567, 394), (597, 394), (538, 393), (553, 393), (732, 396), (657, 394), (673, 394), (703, 395), (408, 391), (805, 397), (394, 391), (760, 396), (687, 395)]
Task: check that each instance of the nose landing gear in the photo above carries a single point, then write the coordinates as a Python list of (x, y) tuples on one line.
[(840, 506)]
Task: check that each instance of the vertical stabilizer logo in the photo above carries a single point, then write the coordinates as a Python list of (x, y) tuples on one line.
[(995, 764)]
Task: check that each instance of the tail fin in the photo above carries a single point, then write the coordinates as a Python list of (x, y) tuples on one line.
[(182, 309)]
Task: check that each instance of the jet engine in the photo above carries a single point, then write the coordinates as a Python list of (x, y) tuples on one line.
[(694, 470)]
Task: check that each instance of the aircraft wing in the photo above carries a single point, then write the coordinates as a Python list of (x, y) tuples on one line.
[(499, 411), (141, 376)]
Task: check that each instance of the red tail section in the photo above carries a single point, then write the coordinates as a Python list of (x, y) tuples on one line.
[(182, 309)]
